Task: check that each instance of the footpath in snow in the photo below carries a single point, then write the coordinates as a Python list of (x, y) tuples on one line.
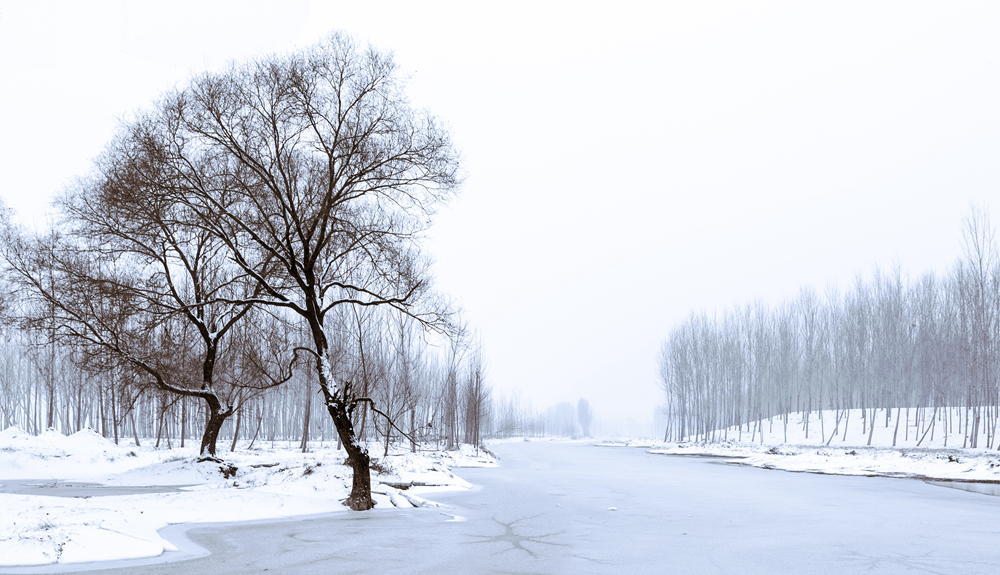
[(773, 445), (79, 498)]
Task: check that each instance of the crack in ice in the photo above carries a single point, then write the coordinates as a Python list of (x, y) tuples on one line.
[(516, 540)]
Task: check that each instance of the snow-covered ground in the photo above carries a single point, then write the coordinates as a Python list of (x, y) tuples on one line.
[(55, 507), (848, 452)]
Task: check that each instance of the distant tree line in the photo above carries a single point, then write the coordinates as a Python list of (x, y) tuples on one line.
[(433, 394), (888, 343), (437, 399)]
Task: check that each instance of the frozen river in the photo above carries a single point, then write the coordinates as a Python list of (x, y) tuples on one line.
[(558, 507)]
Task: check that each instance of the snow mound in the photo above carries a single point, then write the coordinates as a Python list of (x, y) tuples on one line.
[(90, 441), (83, 455), (85, 442), (13, 436)]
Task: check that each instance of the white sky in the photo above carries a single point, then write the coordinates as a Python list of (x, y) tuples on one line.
[(626, 165)]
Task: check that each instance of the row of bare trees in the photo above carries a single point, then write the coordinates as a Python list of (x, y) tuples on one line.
[(433, 398), (888, 343)]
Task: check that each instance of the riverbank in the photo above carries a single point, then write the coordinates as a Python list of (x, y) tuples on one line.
[(918, 443)]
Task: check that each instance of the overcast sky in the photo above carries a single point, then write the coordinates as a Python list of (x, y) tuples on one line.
[(627, 164)]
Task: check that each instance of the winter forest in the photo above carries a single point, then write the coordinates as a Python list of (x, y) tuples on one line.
[(887, 346)]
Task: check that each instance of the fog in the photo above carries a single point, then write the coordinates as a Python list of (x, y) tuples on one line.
[(624, 166)]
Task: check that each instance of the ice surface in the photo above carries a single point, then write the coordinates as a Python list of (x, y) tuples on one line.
[(546, 509)]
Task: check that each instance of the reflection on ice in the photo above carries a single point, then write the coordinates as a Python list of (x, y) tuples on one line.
[(973, 487)]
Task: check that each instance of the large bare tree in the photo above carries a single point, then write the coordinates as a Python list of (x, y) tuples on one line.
[(317, 177)]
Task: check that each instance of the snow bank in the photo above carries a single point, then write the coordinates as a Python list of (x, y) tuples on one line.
[(82, 455), (837, 443), (973, 465), (901, 428)]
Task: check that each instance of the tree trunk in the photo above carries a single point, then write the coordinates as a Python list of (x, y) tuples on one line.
[(974, 441), (946, 422), (114, 415), (305, 419), (871, 425), (236, 431), (260, 421), (836, 427), (896, 431), (929, 427), (183, 419), (159, 424), (100, 407), (357, 457), (340, 411), (135, 431), (847, 423), (216, 417), (79, 405), (388, 435)]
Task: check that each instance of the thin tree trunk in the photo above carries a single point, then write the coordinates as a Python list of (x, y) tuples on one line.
[(896, 431), (871, 425), (413, 431), (260, 420), (183, 419), (236, 429), (836, 427), (135, 432), (308, 411), (159, 424), (100, 406), (114, 414), (929, 428)]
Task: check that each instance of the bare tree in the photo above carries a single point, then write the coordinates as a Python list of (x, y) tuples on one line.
[(133, 285), (318, 178)]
